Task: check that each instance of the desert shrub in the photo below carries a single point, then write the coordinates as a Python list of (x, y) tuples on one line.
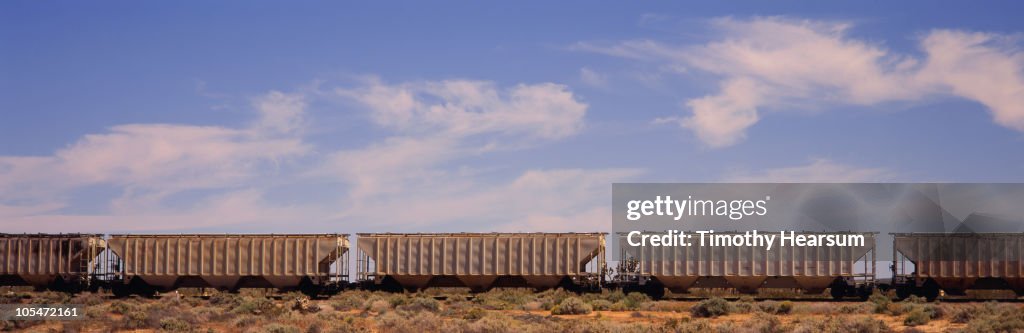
[(206, 313), (915, 299), (247, 320), (378, 305), (687, 326), (505, 299), (601, 305), (841, 324), (225, 299), (16, 325), (87, 299), (135, 319), (474, 314), (572, 306), (589, 326), (664, 306), (95, 313), (257, 306), (11, 297), (633, 301), (421, 304), (763, 323), (348, 301), (934, 311), (743, 307), (917, 316), (815, 308), (175, 325), (862, 324), (418, 323), (397, 300), (120, 307), (906, 306), (992, 317), (280, 328), (613, 296), (881, 302), (550, 298), (962, 315), (353, 325), (712, 307), (497, 323), (784, 307), (857, 308), (995, 324), (51, 297)]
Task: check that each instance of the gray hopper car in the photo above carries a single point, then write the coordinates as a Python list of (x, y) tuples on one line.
[(845, 270), (57, 261), (956, 262), (151, 263), (481, 261)]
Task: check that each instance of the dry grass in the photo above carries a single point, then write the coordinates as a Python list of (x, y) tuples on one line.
[(512, 311)]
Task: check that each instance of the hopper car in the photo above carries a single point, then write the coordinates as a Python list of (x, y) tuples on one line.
[(924, 264)]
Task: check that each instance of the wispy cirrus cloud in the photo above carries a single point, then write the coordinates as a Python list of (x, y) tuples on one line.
[(818, 170), (772, 63)]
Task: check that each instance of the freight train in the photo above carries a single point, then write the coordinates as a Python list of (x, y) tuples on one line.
[(923, 264)]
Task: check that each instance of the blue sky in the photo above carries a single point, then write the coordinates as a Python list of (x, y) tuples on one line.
[(348, 117)]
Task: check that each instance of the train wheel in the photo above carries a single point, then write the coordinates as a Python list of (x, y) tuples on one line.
[(902, 292), (864, 292), (308, 288), (930, 290), (838, 289), (837, 292), (120, 290), (655, 290)]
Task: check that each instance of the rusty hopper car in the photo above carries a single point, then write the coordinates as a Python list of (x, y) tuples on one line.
[(150, 263), (956, 262), (56, 261), (846, 270), (481, 261)]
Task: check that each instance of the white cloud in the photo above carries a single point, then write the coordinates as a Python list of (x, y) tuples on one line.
[(435, 122), (461, 108), (777, 64), (817, 171), (719, 120), (149, 162), (536, 200), (280, 112), (593, 78)]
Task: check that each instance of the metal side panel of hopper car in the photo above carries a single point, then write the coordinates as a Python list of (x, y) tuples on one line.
[(749, 268), (59, 261), (230, 262), (480, 261), (956, 262)]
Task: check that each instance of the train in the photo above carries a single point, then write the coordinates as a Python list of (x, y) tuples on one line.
[(923, 264)]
